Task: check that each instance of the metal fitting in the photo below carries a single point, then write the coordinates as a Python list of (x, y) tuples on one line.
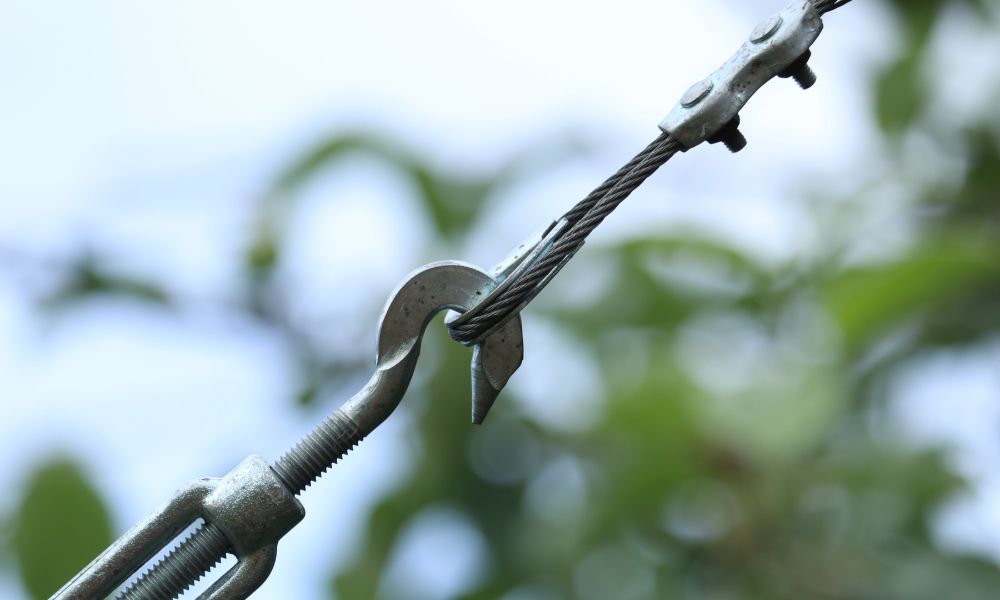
[(254, 510), (800, 71), (250, 509), (730, 136), (250, 506), (778, 46), (508, 273)]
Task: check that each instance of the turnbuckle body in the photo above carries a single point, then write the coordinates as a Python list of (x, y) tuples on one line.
[(252, 508), (778, 47)]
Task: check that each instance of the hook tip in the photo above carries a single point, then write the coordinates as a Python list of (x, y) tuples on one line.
[(483, 393)]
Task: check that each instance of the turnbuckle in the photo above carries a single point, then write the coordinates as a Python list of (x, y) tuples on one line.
[(251, 508), (247, 511)]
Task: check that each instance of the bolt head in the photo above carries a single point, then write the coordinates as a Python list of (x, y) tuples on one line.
[(696, 93), (766, 29)]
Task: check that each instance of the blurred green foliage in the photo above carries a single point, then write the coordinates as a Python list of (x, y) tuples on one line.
[(776, 488), (60, 526), (733, 455)]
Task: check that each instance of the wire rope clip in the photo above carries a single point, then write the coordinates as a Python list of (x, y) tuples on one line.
[(778, 47)]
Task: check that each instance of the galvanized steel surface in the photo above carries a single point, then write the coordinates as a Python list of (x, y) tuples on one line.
[(250, 509), (774, 46)]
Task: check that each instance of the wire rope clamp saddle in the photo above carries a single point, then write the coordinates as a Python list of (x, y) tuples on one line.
[(778, 47)]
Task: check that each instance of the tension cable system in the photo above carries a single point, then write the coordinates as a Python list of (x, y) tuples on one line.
[(246, 512), (708, 112)]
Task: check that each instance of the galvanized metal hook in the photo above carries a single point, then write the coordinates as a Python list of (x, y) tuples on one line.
[(427, 291), (250, 509)]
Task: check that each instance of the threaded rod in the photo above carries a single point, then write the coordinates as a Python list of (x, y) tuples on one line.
[(322, 447), (181, 568)]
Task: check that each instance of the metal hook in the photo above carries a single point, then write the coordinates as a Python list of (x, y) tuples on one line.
[(426, 292), (253, 506)]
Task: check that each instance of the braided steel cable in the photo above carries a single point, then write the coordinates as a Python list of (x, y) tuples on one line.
[(825, 6), (333, 438), (584, 218), (583, 206)]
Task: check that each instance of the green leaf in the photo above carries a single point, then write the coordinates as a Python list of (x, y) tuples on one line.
[(976, 203), (900, 95), (657, 283), (88, 278), (62, 524), (262, 256), (867, 302), (451, 202)]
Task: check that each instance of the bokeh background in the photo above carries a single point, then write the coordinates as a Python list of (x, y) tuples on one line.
[(770, 375)]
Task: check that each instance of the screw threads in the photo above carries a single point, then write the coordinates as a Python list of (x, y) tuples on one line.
[(178, 570), (805, 77), (735, 142), (730, 136), (800, 71), (334, 437), (206, 546)]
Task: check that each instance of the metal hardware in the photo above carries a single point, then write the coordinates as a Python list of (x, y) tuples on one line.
[(555, 246), (800, 71), (429, 290), (250, 509), (250, 506), (528, 254), (766, 28), (778, 45), (730, 136), (696, 93)]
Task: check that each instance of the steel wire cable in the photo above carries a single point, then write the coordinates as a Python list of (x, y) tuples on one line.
[(584, 218), (206, 545), (825, 6), (583, 206)]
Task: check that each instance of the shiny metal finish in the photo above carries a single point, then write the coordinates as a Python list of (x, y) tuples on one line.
[(429, 290), (250, 509), (247, 511), (137, 546), (534, 251), (696, 93), (253, 509), (766, 28), (555, 246), (774, 47)]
